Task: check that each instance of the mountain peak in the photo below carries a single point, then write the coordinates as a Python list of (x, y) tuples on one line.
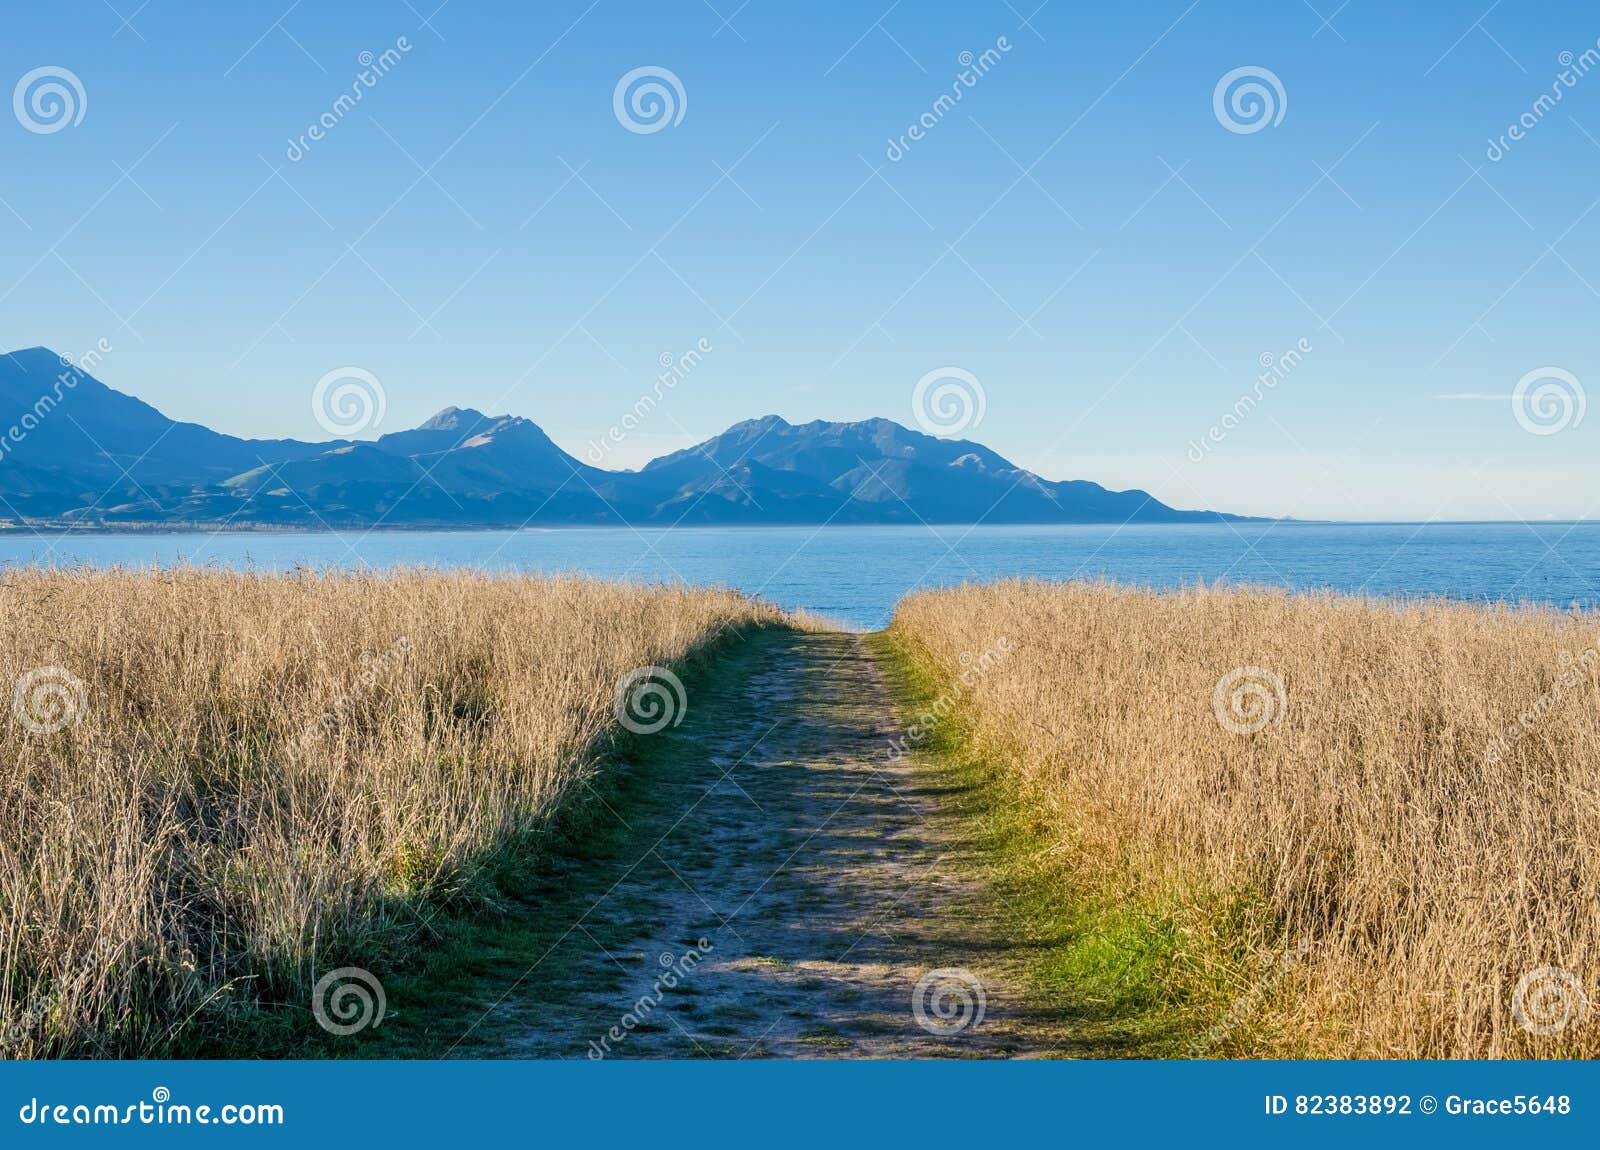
[(453, 418), (762, 424), (465, 468)]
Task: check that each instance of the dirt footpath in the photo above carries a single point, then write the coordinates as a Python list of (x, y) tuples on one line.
[(811, 897)]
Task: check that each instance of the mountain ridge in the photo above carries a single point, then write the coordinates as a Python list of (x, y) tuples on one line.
[(80, 453)]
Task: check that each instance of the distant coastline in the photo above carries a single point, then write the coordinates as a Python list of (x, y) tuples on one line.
[(12, 528), (69, 527), (82, 453)]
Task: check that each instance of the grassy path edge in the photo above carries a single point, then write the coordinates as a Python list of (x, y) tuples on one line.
[(1129, 974), (1110, 970), (438, 976)]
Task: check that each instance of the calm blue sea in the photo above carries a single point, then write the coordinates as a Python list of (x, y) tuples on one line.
[(855, 574)]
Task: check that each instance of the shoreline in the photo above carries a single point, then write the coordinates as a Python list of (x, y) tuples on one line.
[(200, 529)]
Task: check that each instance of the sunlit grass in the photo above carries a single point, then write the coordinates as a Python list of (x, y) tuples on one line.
[(268, 776), (1382, 818)]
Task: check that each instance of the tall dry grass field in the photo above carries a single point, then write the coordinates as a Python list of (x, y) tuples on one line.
[(1419, 807), (257, 777)]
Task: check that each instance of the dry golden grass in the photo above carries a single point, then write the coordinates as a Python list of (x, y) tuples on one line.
[(1387, 821), (272, 775)]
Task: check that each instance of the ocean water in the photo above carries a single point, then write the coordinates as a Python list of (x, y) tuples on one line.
[(856, 574)]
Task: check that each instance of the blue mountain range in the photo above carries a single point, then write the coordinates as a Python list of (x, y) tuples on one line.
[(82, 453)]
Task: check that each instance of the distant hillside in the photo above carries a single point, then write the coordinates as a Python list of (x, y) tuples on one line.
[(877, 471), (83, 453)]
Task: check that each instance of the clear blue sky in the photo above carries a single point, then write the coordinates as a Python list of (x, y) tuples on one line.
[(757, 223)]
